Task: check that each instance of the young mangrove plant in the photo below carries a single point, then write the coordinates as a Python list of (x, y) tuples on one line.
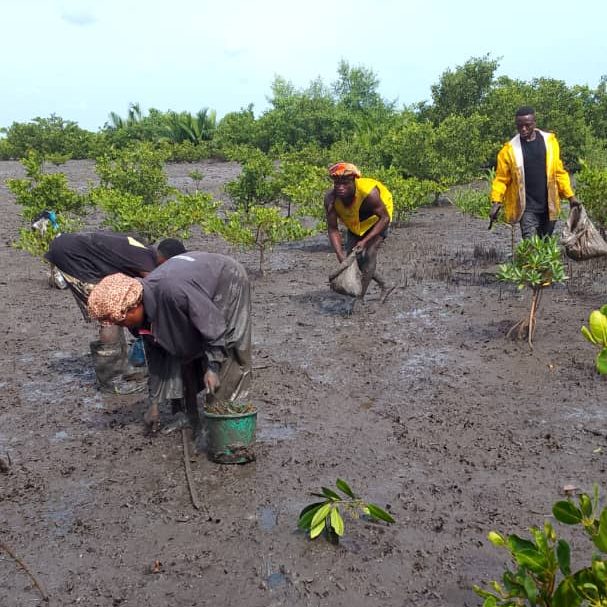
[(537, 264), (542, 574), (596, 333), (326, 515)]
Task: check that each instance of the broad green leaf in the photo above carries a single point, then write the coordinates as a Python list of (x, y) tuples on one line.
[(588, 335), (565, 512), (601, 362), (600, 539), (563, 554), (317, 530), (320, 515), (565, 595), (532, 559), (597, 323), (377, 512), (307, 514), (490, 601), (517, 543), (337, 522), (330, 494), (530, 589), (585, 505), (603, 310), (343, 486)]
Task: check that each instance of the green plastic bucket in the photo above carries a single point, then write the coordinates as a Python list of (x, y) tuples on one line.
[(230, 437)]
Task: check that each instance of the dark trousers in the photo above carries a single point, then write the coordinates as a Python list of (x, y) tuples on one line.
[(536, 223)]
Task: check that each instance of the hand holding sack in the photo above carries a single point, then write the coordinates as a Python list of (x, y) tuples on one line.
[(347, 279), (580, 237)]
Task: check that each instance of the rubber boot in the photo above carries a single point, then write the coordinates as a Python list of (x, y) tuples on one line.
[(109, 361)]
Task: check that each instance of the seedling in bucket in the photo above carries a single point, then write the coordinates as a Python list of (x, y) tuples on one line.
[(231, 432)]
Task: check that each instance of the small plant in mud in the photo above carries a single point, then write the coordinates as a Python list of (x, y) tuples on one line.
[(537, 264), (326, 515), (596, 333), (542, 575), (259, 227)]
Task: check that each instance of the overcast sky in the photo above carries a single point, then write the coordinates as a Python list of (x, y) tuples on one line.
[(82, 59)]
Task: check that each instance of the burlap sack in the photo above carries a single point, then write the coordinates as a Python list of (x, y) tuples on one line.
[(347, 279), (580, 238)]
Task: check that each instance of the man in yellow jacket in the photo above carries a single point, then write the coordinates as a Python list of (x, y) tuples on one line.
[(364, 206), (530, 180)]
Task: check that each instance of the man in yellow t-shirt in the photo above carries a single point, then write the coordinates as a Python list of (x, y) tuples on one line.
[(364, 206)]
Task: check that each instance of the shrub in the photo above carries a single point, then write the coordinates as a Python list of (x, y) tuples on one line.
[(592, 190), (137, 170)]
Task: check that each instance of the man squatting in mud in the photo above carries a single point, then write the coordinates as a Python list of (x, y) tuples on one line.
[(194, 314), (530, 179), (364, 206), (83, 259)]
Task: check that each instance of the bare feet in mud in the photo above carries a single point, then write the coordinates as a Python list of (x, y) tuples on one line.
[(152, 418)]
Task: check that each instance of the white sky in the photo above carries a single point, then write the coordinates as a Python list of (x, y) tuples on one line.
[(82, 59)]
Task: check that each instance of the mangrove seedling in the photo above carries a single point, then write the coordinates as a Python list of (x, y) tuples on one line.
[(542, 574), (537, 264), (596, 333), (326, 515)]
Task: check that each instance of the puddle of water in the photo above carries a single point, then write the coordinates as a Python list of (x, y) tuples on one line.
[(267, 518), (585, 413), (268, 432), (275, 580), (59, 436)]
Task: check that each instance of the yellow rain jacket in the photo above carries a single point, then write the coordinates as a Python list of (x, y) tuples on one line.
[(509, 184), (351, 215)]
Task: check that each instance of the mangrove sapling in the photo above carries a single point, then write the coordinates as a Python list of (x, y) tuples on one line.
[(537, 264), (326, 515), (542, 574), (596, 333)]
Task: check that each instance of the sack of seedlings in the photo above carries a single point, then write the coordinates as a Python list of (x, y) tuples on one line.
[(580, 238), (347, 279)]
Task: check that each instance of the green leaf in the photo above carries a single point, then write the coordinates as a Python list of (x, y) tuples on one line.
[(496, 539), (320, 515), (377, 512), (565, 512), (601, 362), (530, 589), (337, 522), (563, 554), (585, 505), (307, 514), (330, 494), (517, 543), (532, 559), (344, 487), (588, 335), (565, 595), (600, 539), (317, 530)]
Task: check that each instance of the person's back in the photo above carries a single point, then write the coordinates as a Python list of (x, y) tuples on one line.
[(90, 256)]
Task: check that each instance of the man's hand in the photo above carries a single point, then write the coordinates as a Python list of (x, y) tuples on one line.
[(358, 248), (211, 381), (574, 202)]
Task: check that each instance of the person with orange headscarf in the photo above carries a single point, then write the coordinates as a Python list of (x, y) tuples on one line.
[(365, 207), (194, 314)]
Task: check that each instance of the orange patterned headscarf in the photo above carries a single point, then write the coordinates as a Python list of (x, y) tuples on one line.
[(344, 169), (113, 297)]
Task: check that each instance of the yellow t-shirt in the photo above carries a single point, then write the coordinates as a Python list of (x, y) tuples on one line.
[(350, 215)]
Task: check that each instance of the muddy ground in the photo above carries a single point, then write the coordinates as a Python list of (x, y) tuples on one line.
[(422, 404)]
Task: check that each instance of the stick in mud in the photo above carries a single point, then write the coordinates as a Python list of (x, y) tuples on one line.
[(25, 568)]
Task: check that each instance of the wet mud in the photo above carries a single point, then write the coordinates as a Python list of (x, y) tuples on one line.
[(421, 404)]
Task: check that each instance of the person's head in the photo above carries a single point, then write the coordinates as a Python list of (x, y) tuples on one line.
[(344, 175), (117, 299), (167, 248), (525, 122)]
